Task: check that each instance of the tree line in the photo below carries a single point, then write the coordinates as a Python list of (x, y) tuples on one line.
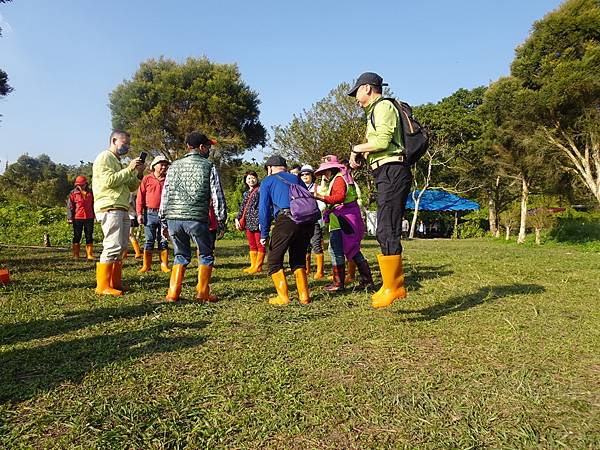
[(534, 132)]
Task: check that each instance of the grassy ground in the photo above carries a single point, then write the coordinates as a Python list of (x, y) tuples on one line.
[(496, 346)]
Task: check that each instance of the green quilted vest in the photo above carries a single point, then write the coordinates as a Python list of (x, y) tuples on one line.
[(188, 184)]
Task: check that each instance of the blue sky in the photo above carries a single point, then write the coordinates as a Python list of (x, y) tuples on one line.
[(64, 57)]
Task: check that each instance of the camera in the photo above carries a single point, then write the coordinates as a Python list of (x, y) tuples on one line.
[(143, 156)]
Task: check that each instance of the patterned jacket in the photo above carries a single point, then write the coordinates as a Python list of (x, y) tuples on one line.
[(251, 211)]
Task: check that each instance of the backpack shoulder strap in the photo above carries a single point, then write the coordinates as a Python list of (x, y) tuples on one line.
[(380, 99), (394, 102), (283, 179)]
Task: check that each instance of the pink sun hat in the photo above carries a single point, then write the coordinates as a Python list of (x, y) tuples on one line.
[(329, 162)]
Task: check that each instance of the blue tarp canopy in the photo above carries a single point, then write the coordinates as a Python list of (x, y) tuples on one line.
[(441, 201)]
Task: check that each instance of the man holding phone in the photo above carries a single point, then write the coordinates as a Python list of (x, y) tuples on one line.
[(112, 184)]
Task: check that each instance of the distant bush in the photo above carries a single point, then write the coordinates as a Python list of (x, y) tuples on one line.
[(24, 224), (472, 225), (576, 227), (470, 229)]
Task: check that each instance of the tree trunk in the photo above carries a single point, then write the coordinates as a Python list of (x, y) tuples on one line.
[(524, 198), (455, 231), (413, 225), (538, 239), (584, 161), (507, 236), (493, 215)]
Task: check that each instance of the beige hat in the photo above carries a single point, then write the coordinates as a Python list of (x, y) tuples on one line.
[(159, 159)]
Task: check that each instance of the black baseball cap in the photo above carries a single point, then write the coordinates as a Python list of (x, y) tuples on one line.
[(366, 78), (195, 139), (276, 160)]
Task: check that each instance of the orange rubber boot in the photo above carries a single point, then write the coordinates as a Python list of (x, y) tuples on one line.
[(319, 273), (252, 261), (164, 261), (302, 286), (174, 291), (103, 279), (203, 288), (281, 287), (136, 247), (260, 258), (393, 281), (89, 252), (116, 278), (147, 261)]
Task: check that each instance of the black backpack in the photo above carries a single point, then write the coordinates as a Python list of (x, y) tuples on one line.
[(415, 136)]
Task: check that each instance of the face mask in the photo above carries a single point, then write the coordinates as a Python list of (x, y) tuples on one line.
[(123, 150)]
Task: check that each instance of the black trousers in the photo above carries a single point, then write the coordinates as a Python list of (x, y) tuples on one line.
[(288, 235), (393, 182), (86, 225)]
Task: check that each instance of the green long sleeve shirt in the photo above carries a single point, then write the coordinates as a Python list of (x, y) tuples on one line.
[(386, 130), (111, 183)]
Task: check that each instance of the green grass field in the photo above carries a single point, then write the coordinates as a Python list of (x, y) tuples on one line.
[(497, 346)]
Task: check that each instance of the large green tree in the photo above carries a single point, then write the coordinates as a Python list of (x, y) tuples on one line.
[(520, 152), (330, 126), (165, 100), (451, 162), (38, 181), (559, 66)]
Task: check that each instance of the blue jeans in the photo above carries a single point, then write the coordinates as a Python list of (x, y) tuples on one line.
[(181, 232), (152, 232), (336, 248)]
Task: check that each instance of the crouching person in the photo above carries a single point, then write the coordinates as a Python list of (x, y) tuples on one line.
[(112, 185), (191, 184), (346, 227), (286, 234)]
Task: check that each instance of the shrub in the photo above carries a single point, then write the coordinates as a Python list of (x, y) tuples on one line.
[(576, 227)]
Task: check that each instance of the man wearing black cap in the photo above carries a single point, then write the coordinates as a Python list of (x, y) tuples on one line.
[(192, 183), (383, 152), (287, 234)]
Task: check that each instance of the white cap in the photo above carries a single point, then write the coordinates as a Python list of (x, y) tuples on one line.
[(159, 159), (307, 168)]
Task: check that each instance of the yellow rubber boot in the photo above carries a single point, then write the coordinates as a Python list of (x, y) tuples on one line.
[(350, 272), (174, 291), (260, 259), (103, 277), (147, 261), (136, 247), (76, 248), (89, 252), (252, 261), (203, 288), (302, 286), (281, 287), (308, 261), (320, 259), (116, 278), (164, 261), (393, 281)]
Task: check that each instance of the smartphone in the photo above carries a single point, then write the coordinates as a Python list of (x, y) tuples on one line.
[(143, 156)]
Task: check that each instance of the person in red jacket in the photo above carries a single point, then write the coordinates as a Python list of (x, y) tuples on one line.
[(147, 206), (80, 212)]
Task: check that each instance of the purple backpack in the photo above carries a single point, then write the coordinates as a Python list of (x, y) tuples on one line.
[(303, 206)]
